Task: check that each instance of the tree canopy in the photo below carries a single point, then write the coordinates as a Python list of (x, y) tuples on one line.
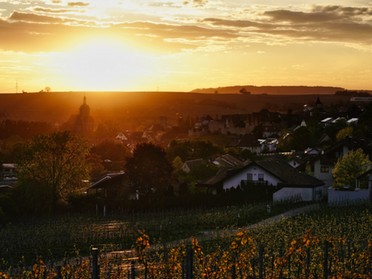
[(111, 150), (189, 149), (53, 166), (349, 167), (149, 170)]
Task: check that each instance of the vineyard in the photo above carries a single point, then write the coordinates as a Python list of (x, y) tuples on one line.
[(331, 242)]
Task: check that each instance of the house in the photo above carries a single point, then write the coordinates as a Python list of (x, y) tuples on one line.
[(8, 170), (352, 121), (190, 165), (8, 175), (287, 182), (295, 161), (362, 192), (228, 161), (311, 151), (121, 137), (321, 166), (326, 121), (269, 144), (112, 186)]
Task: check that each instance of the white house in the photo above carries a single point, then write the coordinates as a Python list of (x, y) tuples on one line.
[(287, 181), (322, 165)]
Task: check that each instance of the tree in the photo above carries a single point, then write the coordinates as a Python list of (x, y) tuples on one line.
[(344, 133), (52, 167), (149, 170), (192, 149), (114, 151), (349, 167)]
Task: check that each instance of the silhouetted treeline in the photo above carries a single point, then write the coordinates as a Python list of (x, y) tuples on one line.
[(353, 93), (23, 129)]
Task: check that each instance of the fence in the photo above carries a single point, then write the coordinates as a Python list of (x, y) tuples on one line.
[(240, 259), (323, 260)]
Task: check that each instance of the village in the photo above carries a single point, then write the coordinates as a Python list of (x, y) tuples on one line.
[(261, 156)]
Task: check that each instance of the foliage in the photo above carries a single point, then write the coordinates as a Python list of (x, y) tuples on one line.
[(328, 243), (300, 139), (349, 167), (62, 235), (52, 167), (23, 129), (189, 150), (344, 133), (96, 166), (177, 164), (149, 170), (114, 151), (332, 130)]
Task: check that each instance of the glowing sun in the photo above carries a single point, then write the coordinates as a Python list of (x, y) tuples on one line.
[(103, 64)]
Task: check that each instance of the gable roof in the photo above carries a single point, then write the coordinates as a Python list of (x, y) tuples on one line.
[(369, 171), (108, 180), (227, 160), (288, 176), (328, 156), (196, 163)]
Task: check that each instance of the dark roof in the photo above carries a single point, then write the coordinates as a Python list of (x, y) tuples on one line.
[(220, 176), (196, 163), (289, 176), (108, 180), (330, 155), (228, 160), (365, 173)]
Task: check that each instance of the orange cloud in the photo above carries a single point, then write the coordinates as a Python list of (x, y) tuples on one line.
[(77, 4)]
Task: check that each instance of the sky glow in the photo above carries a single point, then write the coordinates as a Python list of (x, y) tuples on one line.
[(138, 45)]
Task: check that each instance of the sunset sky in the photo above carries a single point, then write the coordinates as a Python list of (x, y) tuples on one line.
[(171, 45)]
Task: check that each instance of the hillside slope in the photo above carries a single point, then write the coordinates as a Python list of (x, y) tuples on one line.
[(143, 107)]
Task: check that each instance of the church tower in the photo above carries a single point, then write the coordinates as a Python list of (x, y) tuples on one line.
[(84, 124)]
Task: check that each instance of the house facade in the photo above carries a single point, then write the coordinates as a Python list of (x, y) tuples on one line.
[(286, 182), (8, 175), (322, 165), (362, 192)]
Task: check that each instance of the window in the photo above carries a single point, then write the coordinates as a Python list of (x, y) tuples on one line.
[(260, 177), (249, 177), (324, 169)]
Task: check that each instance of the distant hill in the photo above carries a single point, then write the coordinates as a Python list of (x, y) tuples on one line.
[(272, 90), (132, 110)]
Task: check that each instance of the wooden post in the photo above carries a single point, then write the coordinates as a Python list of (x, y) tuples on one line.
[(132, 270), (59, 272), (325, 263), (308, 262), (95, 267), (260, 262), (189, 263)]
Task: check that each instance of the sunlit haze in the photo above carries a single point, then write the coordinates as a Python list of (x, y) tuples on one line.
[(180, 45)]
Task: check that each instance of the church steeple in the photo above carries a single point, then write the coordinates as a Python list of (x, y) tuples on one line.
[(318, 103), (84, 109)]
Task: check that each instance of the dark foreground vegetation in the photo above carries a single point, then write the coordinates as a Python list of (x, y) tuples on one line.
[(71, 234), (333, 242)]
